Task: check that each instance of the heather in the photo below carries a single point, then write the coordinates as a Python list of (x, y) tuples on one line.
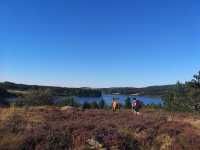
[(53, 128)]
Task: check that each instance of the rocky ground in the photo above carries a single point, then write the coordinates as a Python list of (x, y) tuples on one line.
[(54, 128)]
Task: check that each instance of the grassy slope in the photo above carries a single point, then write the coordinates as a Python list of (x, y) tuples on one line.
[(45, 128), (18, 92)]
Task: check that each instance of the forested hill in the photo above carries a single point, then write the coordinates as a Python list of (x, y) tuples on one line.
[(61, 91), (146, 91), (155, 91)]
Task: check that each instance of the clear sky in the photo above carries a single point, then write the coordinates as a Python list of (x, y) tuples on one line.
[(99, 43)]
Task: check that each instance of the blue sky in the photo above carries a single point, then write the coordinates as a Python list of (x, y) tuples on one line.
[(99, 43)]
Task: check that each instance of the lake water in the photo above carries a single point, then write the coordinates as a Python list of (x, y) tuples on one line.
[(108, 99), (122, 98)]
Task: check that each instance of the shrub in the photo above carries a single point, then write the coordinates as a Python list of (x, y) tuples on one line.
[(101, 104), (116, 141), (86, 105), (153, 106), (119, 105), (128, 103), (68, 102), (94, 105)]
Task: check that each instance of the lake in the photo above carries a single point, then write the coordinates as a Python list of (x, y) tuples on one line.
[(108, 99), (122, 98)]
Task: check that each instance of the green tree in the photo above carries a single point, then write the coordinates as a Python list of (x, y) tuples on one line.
[(197, 78), (176, 99), (168, 100), (101, 104), (184, 96), (86, 105), (94, 105), (119, 105), (37, 98), (128, 103), (193, 90)]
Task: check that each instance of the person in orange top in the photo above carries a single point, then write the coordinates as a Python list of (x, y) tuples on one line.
[(114, 105)]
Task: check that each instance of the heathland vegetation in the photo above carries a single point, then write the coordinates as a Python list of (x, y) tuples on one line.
[(36, 121), (53, 128)]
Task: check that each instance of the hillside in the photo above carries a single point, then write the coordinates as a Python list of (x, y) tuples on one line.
[(59, 91), (155, 91), (53, 128)]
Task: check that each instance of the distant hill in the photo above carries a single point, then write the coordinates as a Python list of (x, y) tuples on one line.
[(59, 91), (155, 91)]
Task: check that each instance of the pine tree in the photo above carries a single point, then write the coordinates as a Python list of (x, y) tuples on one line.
[(128, 103), (101, 104)]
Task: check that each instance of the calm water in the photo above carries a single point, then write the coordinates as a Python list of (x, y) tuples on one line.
[(108, 99), (122, 98)]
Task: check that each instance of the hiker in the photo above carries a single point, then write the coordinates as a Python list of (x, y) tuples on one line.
[(114, 105), (136, 106)]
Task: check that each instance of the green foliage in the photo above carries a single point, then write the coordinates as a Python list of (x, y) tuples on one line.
[(59, 91), (68, 102), (101, 104), (184, 97), (86, 105), (193, 89), (176, 100), (119, 105), (94, 105), (150, 91), (153, 106), (36, 98), (128, 103)]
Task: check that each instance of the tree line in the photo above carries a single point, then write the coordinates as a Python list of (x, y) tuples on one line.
[(184, 97), (4, 94), (59, 91), (155, 91)]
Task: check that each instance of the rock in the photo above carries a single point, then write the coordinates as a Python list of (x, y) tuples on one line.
[(96, 143), (66, 108)]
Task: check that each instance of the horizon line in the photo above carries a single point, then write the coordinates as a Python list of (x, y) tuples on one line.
[(84, 86)]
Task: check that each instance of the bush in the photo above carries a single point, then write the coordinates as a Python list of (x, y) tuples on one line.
[(128, 103), (94, 105), (118, 141), (153, 106), (86, 105), (68, 102), (119, 105), (102, 104)]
